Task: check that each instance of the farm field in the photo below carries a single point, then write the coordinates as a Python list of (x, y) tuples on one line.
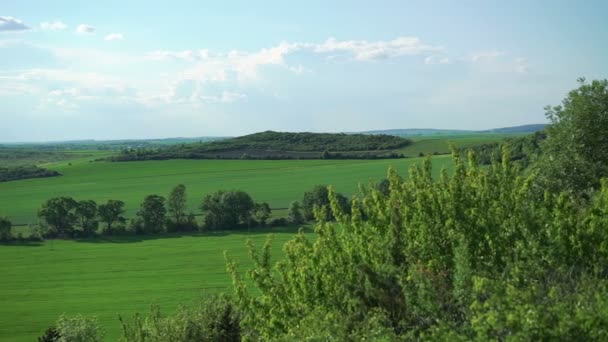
[(440, 143), (105, 278), (276, 182)]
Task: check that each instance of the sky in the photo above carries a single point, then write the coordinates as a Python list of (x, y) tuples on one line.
[(141, 69)]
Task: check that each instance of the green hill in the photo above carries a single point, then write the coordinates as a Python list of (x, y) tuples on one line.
[(278, 145)]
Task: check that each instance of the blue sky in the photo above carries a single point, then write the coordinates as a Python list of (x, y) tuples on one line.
[(137, 69)]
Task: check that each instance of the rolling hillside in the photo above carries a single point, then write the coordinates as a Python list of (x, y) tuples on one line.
[(278, 145)]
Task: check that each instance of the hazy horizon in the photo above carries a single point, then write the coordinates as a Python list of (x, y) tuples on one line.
[(115, 71)]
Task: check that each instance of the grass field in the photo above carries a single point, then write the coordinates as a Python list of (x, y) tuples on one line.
[(105, 278), (440, 143), (276, 182)]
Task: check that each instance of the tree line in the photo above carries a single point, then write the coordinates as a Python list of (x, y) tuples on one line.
[(67, 218)]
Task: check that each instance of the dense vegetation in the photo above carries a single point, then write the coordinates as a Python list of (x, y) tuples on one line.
[(524, 149), (278, 145), (25, 172)]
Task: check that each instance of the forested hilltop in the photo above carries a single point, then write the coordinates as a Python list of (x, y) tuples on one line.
[(278, 145)]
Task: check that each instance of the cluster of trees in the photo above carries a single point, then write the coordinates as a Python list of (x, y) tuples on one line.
[(278, 145), (65, 217), (524, 150), (25, 172)]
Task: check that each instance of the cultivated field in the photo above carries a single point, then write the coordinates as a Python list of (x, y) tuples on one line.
[(105, 278), (276, 182)]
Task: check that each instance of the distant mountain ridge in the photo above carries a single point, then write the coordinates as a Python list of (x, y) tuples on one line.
[(427, 131)]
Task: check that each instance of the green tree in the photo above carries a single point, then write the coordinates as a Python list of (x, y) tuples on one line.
[(5, 229), (86, 211), (575, 153), (473, 254), (318, 198), (261, 212), (58, 213), (227, 209), (294, 214), (152, 213), (111, 212), (176, 204)]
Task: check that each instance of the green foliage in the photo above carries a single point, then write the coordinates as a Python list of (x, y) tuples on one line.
[(317, 199), (5, 229), (214, 319), (294, 214), (79, 329), (525, 150), (475, 255), (262, 212), (176, 204), (24, 172), (111, 212), (152, 214), (86, 211), (58, 213), (575, 154), (227, 209), (50, 335)]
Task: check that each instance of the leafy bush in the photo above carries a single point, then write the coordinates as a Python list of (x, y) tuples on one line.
[(472, 256), (214, 319), (79, 329)]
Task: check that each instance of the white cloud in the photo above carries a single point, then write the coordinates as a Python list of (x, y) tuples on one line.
[(114, 36), (53, 25), (85, 29), (436, 59), (486, 55), (12, 24), (363, 50)]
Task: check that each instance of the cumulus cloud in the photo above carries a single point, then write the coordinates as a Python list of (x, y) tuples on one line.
[(486, 55), (53, 25), (436, 59), (114, 36), (12, 24), (85, 29), (363, 50)]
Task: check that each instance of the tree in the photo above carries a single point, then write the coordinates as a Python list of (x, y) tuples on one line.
[(294, 214), (318, 197), (5, 229), (575, 153), (261, 212), (86, 211), (227, 209), (111, 212), (152, 213), (176, 204), (58, 213)]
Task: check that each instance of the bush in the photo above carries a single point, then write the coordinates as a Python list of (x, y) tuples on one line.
[(79, 329), (278, 222), (474, 255), (50, 335), (214, 319), (5, 229)]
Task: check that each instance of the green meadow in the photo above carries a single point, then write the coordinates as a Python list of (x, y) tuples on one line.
[(108, 277), (277, 182)]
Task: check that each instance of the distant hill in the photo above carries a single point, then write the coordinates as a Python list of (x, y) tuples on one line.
[(432, 131), (278, 145), (517, 129)]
